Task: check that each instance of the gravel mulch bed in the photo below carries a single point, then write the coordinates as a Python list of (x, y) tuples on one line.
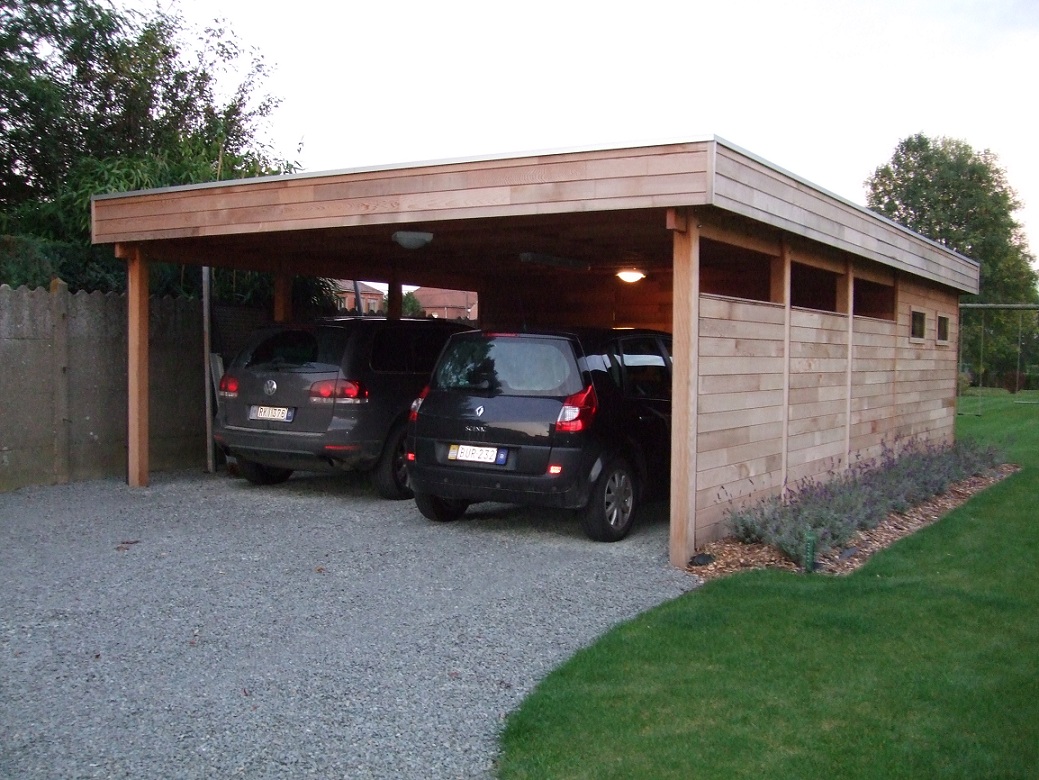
[(731, 556)]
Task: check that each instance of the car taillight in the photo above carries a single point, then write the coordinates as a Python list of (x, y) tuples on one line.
[(347, 391), (413, 414), (228, 386), (578, 411)]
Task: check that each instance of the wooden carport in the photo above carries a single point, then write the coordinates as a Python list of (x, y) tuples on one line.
[(539, 237)]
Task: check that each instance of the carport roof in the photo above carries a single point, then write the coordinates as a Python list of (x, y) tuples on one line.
[(599, 207)]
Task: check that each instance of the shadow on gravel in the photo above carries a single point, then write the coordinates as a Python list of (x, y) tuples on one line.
[(479, 518)]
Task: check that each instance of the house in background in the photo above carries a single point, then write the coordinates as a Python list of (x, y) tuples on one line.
[(371, 297), (448, 304)]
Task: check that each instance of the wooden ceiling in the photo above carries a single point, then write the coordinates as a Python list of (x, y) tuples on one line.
[(465, 254)]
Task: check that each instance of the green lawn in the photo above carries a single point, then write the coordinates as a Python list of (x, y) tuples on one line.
[(923, 664)]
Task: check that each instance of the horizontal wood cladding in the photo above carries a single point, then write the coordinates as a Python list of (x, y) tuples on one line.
[(925, 386), (619, 179), (740, 406), (817, 427), (854, 386), (747, 186), (597, 301)]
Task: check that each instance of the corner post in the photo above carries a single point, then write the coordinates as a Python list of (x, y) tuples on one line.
[(782, 288), (849, 381), (394, 297), (685, 386), (137, 364), (282, 296)]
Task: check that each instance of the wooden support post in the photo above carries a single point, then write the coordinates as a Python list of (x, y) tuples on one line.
[(207, 359), (779, 277), (844, 292), (782, 289), (686, 331), (849, 295), (282, 297), (394, 298), (137, 366)]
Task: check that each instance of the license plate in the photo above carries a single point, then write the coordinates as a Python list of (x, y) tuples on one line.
[(279, 413), (472, 454)]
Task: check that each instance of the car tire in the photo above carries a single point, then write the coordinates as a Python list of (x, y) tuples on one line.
[(610, 512), (442, 510), (259, 474), (390, 476)]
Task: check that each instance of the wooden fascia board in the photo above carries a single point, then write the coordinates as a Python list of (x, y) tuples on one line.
[(754, 189), (627, 179), (692, 174)]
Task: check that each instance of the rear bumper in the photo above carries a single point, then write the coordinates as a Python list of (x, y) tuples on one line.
[(569, 490), (298, 451)]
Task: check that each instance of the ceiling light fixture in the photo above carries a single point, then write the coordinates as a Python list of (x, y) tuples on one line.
[(412, 239), (630, 275)]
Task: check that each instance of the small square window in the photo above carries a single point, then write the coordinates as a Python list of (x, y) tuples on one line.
[(943, 329), (919, 325)]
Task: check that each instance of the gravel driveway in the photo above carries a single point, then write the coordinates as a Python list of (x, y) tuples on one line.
[(206, 628)]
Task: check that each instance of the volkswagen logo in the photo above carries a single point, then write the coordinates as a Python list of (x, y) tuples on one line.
[(270, 387), (479, 411)]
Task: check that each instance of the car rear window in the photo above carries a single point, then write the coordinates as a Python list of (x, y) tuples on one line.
[(298, 348), (508, 365)]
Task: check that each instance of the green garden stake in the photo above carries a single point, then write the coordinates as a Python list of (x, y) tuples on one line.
[(809, 552)]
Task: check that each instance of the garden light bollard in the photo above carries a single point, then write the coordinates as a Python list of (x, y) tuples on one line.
[(809, 552)]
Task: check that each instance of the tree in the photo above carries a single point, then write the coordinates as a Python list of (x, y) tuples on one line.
[(94, 100), (411, 306), (945, 190), (952, 194)]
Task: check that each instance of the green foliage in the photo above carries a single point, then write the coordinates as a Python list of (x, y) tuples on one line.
[(94, 100), (947, 191), (860, 497), (33, 262), (311, 297), (995, 345), (410, 306)]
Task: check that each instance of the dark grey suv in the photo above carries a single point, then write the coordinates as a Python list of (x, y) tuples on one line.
[(329, 396), (579, 420)]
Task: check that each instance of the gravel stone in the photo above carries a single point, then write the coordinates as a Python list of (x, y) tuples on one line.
[(203, 627)]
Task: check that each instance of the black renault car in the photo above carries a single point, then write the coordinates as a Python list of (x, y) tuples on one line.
[(579, 420), (328, 396)]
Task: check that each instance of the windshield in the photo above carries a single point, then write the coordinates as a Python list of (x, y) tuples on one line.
[(509, 365)]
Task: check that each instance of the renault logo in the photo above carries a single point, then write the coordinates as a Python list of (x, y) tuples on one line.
[(270, 387), (479, 411)]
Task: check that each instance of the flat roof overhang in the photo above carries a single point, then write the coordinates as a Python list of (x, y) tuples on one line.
[(602, 206)]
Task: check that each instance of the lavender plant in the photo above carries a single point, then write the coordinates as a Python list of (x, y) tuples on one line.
[(860, 496)]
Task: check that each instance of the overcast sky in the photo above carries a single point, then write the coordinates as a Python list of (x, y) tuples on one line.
[(822, 88)]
